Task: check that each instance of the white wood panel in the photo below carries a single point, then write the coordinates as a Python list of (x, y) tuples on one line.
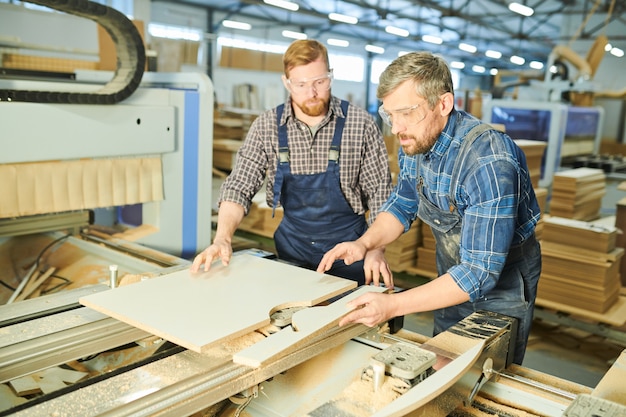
[(197, 311), (306, 324)]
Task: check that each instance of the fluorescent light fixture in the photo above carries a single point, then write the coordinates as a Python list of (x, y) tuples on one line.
[(283, 4), (343, 18), (517, 60), (457, 65), (294, 35), (617, 52), (432, 39), (172, 32), (375, 49), (521, 9), (493, 54), (493, 71), (478, 68), (608, 47), (233, 24), (338, 42), (467, 47), (536, 65), (397, 31)]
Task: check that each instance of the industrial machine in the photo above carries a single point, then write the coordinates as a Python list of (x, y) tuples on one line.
[(110, 368)]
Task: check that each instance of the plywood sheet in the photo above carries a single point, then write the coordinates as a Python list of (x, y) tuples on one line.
[(198, 311)]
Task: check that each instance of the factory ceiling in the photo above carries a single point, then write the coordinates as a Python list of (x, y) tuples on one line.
[(484, 24)]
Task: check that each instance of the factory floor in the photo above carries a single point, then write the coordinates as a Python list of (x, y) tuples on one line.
[(557, 350)]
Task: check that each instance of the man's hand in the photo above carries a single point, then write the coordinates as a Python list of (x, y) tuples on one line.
[(350, 252), (221, 248), (375, 266), (370, 309)]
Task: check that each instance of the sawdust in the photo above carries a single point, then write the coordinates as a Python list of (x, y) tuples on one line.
[(359, 399), (232, 346)]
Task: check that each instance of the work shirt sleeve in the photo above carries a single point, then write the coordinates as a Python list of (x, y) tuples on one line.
[(251, 164), (488, 202), (375, 176)]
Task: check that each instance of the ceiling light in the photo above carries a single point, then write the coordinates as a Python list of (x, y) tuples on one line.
[(517, 60), (338, 42), (521, 9), (608, 47), (236, 25), (375, 49), (478, 68), (283, 4), (617, 52), (493, 54), (493, 71), (397, 31), (467, 47), (432, 39), (343, 18), (457, 65), (403, 53), (294, 35), (536, 65)]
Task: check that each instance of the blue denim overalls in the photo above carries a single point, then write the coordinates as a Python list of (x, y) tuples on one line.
[(316, 214), (515, 292)]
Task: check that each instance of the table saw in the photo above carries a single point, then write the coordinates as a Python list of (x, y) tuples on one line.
[(116, 369)]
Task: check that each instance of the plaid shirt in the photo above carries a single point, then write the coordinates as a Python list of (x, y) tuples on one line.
[(493, 195), (363, 163)]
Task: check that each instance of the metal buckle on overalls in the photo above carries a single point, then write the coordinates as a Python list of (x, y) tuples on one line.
[(333, 155), (283, 156)]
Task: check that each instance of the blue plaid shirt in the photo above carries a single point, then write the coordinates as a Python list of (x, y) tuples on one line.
[(493, 195)]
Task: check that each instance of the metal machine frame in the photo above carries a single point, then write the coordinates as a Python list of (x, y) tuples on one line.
[(170, 115)]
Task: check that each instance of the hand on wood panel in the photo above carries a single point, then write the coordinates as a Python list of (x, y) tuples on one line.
[(375, 267), (350, 252), (369, 309), (221, 248)]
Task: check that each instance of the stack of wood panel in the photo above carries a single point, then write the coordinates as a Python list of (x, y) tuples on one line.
[(426, 264), (400, 254), (533, 150), (580, 264), (577, 193), (259, 219)]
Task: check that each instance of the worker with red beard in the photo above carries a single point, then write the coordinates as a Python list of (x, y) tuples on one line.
[(323, 160)]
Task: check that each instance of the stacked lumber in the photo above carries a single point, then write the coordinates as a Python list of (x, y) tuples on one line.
[(224, 153), (577, 193), (259, 219), (580, 264), (401, 254), (620, 241), (534, 150), (426, 265), (230, 127)]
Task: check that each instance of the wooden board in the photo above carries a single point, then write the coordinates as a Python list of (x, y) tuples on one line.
[(198, 311), (305, 325), (611, 386), (614, 316)]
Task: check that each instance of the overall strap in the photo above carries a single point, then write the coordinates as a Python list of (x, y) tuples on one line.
[(471, 136), (283, 157), (335, 146)]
